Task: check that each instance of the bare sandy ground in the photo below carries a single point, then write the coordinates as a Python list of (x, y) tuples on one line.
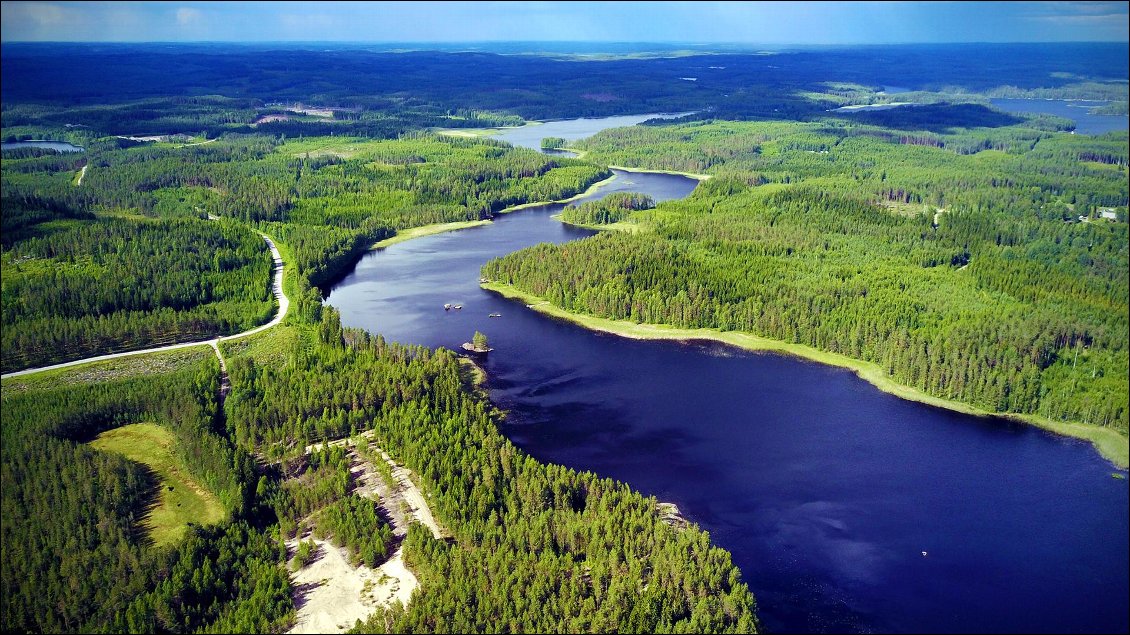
[(331, 594), (417, 506)]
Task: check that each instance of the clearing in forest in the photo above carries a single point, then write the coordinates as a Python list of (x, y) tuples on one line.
[(332, 593), (181, 499)]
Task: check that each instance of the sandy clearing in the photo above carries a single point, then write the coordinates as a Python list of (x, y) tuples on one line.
[(332, 594), (406, 487), (200, 143)]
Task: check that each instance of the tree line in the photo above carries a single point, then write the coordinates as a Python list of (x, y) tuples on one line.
[(610, 209), (94, 286), (76, 558), (969, 277)]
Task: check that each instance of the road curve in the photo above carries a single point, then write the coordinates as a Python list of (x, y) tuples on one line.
[(276, 287)]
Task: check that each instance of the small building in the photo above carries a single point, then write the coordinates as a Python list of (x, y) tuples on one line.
[(1108, 213)]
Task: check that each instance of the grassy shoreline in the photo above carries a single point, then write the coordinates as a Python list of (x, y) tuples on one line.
[(591, 190), (479, 133), (439, 228), (426, 230), (689, 175), (580, 154), (618, 226), (1110, 444)]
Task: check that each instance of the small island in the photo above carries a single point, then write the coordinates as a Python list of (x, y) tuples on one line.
[(553, 143), (610, 209), (478, 344)]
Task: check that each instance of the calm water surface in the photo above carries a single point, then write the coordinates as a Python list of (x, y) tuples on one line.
[(825, 490), (60, 146), (1076, 110), (530, 136)]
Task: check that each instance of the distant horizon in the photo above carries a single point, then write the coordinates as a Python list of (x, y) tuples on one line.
[(769, 25), (641, 46)]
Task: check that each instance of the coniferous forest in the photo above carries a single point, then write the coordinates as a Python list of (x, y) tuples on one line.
[(985, 277), (979, 256)]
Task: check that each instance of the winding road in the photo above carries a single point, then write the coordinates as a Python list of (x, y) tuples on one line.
[(276, 287)]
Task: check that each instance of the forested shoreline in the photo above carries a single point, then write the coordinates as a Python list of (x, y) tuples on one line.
[(971, 279), (967, 252), (501, 505), (590, 544)]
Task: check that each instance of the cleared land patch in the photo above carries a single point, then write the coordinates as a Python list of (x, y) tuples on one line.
[(180, 500)]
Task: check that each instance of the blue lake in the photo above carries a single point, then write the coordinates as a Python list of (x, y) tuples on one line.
[(1076, 110), (530, 136), (60, 146), (846, 509)]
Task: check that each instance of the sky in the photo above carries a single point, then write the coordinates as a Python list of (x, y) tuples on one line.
[(752, 23)]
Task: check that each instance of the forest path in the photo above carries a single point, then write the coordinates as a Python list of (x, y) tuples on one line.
[(276, 287), (405, 489)]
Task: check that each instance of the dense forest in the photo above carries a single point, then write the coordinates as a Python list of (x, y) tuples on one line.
[(962, 248), (610, 209), (577, 548), (75, 557), (588, 544), (967, 274), (73, 280), (85, 288)]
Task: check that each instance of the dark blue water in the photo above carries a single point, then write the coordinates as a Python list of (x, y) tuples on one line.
[(58, 146), (825, 490), (1076, 110)]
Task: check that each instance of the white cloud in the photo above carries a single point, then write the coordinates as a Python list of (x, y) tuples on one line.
[(36, 20), (309, 23), (1083, 7), (187, 16), (37, 14), (1080, 19)]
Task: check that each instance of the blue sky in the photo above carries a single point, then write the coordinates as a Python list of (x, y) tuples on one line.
[(769, 23)]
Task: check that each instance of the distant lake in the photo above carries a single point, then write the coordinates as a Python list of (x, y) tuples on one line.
[(61, 146), (530, 136), (1077, 110), (871, 107)]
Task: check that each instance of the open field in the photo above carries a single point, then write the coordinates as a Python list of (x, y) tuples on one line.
[(180, 500), (157, 363)]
